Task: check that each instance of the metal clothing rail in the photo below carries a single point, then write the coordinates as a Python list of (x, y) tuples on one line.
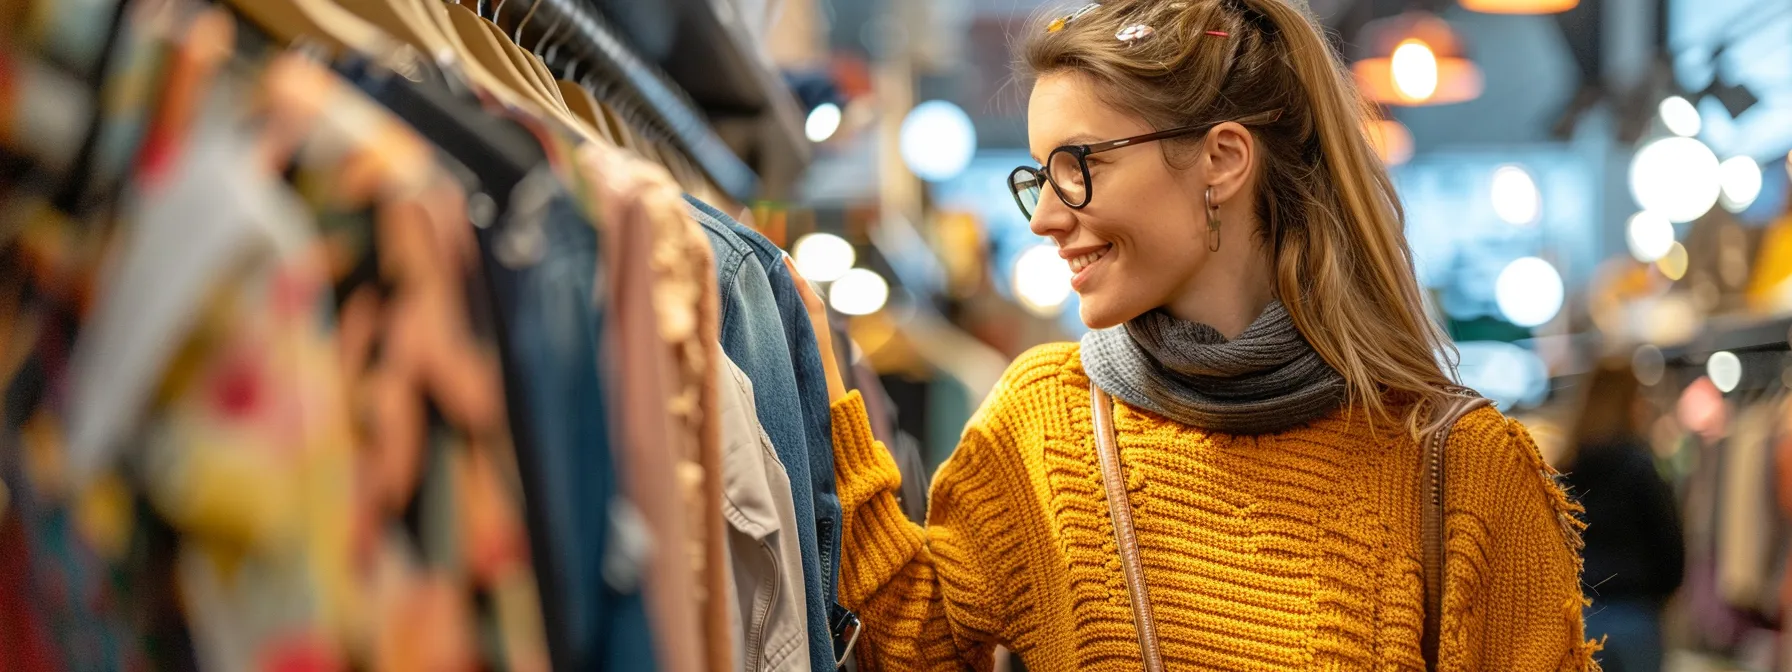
[(598, 57), (1736, 335)]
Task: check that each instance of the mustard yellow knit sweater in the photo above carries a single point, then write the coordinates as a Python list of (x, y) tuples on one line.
[(1293, 551)]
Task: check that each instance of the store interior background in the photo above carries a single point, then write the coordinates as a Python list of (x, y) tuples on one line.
[(1584, 181), (1609, 182)]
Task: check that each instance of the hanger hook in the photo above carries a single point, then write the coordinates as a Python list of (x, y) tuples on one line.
[(497, 9), (545, 34), (517, 36), (552, 55)]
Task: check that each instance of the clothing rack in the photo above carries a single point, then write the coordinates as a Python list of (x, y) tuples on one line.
[(1738, 335), (588, 49)]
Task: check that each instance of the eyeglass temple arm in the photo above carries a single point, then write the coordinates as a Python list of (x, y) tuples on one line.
[(1252, 120)]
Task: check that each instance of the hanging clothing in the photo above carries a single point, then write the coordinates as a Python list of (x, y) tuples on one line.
[(753, 337), (643, 377), (1294, 550), (767, 555), (811, 382), (1748, 524), (590, 542)]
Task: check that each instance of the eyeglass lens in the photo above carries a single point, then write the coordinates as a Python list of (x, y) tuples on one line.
[(1026, 184), (1065, 169)]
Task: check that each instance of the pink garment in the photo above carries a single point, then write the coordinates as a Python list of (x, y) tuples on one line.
[(666, 333)]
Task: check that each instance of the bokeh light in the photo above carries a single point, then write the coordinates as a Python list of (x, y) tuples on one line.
[(937, 140), (1649, 236), (1725, 370), (1042, 280), (1515, 196), (823, 257), (1679, 115), (1740, 178), (1676, 177), (1674, 263), (823, 121), (1415, 70), (1529, 292), (859, 292)]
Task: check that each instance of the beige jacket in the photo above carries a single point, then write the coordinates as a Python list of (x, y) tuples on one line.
[(762, 541)]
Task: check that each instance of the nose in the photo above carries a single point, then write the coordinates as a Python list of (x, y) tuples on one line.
[(1051, 218)]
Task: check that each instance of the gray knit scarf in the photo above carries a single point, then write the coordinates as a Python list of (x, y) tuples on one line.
[(1266, 380)]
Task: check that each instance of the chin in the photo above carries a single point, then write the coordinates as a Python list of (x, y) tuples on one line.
[(1099, 314)]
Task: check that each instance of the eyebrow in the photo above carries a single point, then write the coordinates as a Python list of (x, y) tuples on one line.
[(1078, 139)]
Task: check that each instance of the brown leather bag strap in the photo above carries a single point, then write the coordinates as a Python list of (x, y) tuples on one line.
[(1431, 525), (1107, 449)]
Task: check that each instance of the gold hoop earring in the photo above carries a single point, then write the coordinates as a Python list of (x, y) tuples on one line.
[(1213, 223)]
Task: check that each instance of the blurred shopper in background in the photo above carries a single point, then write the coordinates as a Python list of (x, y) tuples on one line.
[(1635, 554)]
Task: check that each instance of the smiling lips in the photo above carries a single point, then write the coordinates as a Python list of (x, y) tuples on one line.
[(1084, 257)]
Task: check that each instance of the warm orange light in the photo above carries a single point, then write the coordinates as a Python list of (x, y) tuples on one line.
[(1415, 59), (1414, 68), (1391, 140), (1519, 6), (1458, 81)]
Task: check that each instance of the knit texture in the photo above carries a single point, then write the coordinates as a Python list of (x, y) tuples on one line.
[(1266, 380), (1293, 551)]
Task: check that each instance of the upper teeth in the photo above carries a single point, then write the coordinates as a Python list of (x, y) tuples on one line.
[(1078, 264)]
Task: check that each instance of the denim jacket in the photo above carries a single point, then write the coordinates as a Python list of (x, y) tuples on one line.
[(756, 338)]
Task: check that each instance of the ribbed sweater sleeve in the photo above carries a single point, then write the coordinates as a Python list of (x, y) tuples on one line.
[(1512, 599), (919, 591)]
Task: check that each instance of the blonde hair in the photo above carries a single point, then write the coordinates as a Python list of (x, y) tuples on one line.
[(1334, 226)]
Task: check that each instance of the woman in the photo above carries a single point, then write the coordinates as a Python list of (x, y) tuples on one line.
[(1635, 551), (1258, 322)]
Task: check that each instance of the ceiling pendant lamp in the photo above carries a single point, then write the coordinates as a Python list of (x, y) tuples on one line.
[(1519, 6), (1415, 59)]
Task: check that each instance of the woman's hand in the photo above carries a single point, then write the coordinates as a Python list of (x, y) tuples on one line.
[(824, 335)]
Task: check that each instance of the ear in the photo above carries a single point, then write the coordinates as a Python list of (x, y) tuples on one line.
[(1229, 152)]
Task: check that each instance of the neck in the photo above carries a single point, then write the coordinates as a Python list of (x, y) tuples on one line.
[(1229, 292)]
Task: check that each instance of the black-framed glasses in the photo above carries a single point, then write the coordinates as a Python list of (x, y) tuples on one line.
[(1066, 169)]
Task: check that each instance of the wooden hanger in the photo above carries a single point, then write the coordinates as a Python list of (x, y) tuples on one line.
[(584, 106), (547, 77), (339, 31), (521, 62), (544, 94), (381, 15), (433, 17), (625, 136), (513, 54), (529, 58), (420, 24), (486, 50)]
